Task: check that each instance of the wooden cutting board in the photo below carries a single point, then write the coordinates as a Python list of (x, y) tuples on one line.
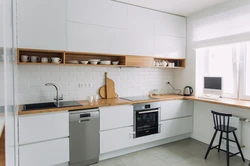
[(110, 87), (102, 92)]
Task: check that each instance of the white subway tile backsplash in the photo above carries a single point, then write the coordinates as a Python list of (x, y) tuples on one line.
[(129, 81)]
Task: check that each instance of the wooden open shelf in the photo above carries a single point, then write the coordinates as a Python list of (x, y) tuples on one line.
[(66, 56)]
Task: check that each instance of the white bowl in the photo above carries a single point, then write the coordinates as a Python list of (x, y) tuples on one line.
[(105, 62), (115, 62), (85, 62), (73, 61), (93, 62)]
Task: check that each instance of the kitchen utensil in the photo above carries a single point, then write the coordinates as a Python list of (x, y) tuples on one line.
[(188, 91), (25, 58), (56, 60), (102, 92), (85, 62), (94, 62), (35, 59), (45, 60), (110, 87), (73, 61), (115, 62), (105, 62)]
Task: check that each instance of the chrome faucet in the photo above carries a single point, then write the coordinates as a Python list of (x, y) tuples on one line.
[(57, 98)]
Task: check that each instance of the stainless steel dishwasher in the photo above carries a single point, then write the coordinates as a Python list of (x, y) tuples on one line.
[(84, 127)]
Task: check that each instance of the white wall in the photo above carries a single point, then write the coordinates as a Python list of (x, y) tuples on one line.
[(128, 81), (220, 24)]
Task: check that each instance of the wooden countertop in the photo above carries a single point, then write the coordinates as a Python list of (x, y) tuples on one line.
[(223, 101), (2, 124), (118, 101), (85, 105)]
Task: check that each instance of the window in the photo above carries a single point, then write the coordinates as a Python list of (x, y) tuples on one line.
[(232, 62)]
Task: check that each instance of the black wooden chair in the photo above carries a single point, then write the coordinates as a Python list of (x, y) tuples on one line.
[(221, 123)]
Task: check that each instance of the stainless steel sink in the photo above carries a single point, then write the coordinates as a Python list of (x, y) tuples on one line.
[(40, 106)]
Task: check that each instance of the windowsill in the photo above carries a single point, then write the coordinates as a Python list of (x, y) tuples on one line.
[(224, 101)]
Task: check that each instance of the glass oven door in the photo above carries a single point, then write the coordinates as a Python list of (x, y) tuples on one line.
[(147, 122)]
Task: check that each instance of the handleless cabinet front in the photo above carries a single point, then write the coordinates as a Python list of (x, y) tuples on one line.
[(42, 127)]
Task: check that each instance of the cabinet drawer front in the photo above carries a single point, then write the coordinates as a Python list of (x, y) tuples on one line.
[(116, 139), (176, 108), (175, 127), (116, 116), (42, 127), (45, 153)]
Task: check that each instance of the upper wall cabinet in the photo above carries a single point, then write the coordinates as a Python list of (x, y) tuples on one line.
[(170, 25), (140, 31), (41, 24), (97, 12)]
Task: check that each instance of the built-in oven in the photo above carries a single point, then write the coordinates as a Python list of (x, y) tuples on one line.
[(147, 119)]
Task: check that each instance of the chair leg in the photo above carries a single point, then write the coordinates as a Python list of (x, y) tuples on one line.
[(227, 149), (211, 143), (220, 141), (237, 142)]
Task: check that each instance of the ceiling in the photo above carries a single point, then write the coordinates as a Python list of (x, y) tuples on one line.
[(179, 7)]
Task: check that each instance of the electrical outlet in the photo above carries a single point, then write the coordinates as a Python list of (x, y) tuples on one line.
[(85, 85), (89, 85), (80, 85)]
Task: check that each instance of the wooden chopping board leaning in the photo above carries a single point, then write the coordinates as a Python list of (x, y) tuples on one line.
[(108, 91)]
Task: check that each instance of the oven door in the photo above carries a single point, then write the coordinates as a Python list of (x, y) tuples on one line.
[(146, 122)]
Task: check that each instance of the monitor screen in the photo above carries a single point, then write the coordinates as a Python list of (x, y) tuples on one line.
[(213, 83)]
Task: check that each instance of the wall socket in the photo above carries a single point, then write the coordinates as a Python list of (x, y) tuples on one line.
[(85, 85)]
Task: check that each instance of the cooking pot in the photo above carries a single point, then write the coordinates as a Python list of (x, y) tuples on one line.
[(188, 91)]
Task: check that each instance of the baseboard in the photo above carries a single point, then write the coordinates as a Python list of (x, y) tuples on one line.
[(142, 147)]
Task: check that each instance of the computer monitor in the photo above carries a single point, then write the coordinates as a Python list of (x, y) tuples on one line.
[(213, 85)]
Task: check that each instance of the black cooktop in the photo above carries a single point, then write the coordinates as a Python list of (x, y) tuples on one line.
[(137, 98)]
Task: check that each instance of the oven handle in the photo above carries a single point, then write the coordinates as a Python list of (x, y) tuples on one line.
[(144, 112)]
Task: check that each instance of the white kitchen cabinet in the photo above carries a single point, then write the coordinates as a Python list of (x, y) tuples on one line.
[(41, 127), (97, 12), (176, 108), (170, 25), (41, 24), (140, 31), (45, 153), (175, 127), (100, 39), (115, 117), (116, 139), (170, 47)]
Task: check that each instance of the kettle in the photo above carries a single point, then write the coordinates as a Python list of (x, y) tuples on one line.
[(188, 91)]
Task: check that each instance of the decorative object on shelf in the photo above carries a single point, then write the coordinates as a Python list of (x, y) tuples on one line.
[(105, 62), (115, 62), (73, 61), (84, 62), (171, 65), (56, 60), (25, 58), (163, 63), (156, 63), (45, 60), (108, 91), (177, 63), (35, 59)]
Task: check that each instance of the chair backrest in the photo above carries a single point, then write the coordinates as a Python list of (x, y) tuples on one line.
[(221, 120)]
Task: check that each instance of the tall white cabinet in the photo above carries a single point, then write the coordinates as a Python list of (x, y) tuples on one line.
[(41, 24)]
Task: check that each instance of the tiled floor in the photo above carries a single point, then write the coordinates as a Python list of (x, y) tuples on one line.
[(188, 152)]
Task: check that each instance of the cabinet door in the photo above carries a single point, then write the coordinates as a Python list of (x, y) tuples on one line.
[(115, 117), (116, 139), (170, 47), (176, 108), (41, 24), (41, 127), (44, 153), (170, 25), (175, 127)]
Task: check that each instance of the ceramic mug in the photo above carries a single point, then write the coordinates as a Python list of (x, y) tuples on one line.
[(45, 60), (35, 58), (25, 58), (90, 98), (56, 60)]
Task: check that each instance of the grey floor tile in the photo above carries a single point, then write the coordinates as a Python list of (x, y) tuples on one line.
[(110, 162), (195, 161)]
